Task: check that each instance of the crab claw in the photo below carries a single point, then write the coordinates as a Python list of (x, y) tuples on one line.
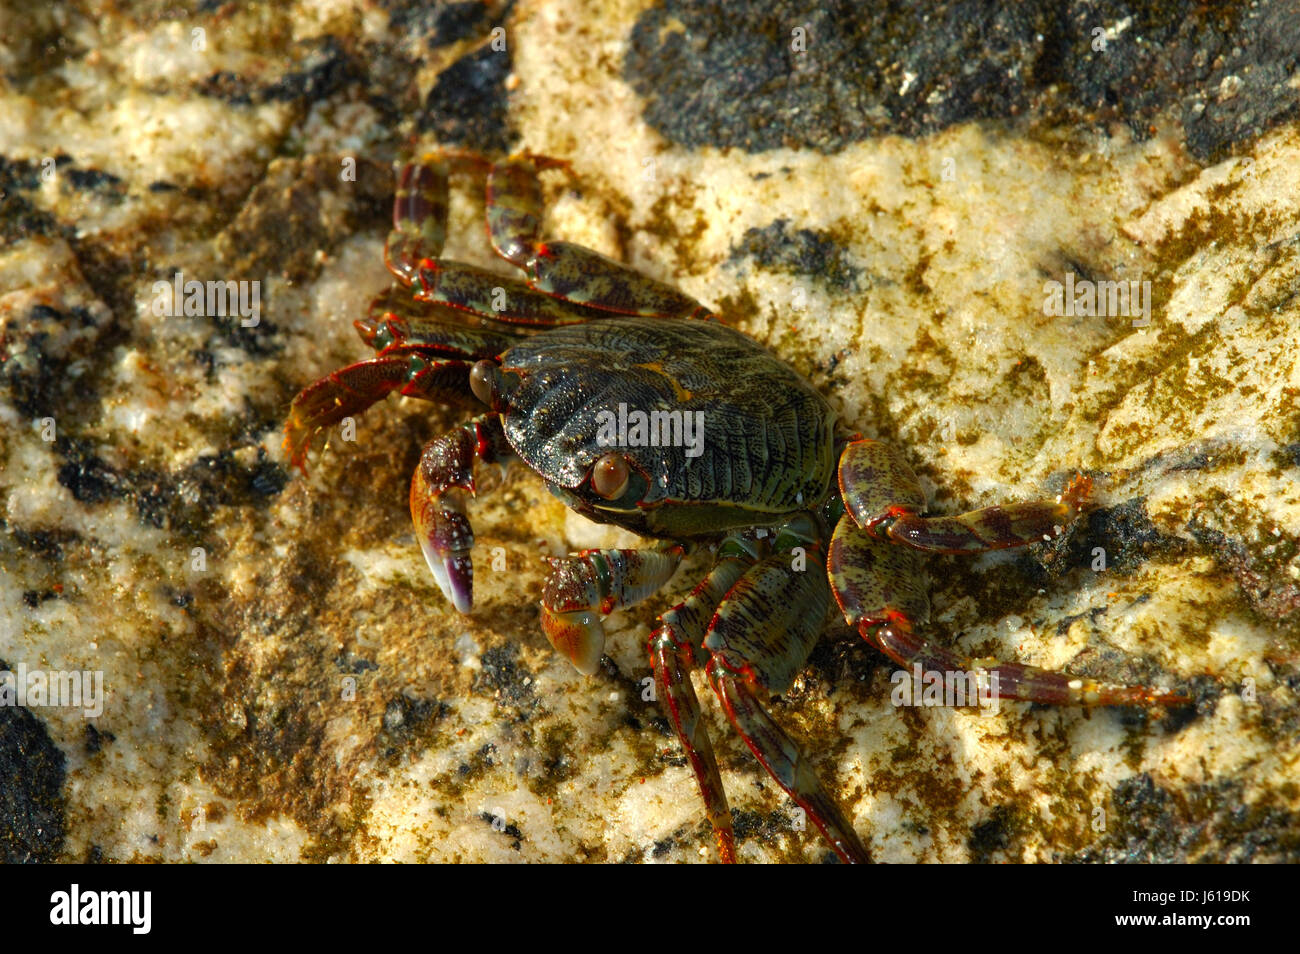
[(571, 600), (582, 588), (579, 636), (445, 535)]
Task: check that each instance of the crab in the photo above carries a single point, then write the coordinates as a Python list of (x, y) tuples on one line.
[(798, 510)]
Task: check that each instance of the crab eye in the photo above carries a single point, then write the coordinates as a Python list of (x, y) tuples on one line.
[(609, 476), (480, 381)]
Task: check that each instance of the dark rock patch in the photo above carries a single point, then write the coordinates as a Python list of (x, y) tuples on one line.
[(32, 821), (801, 252), (730, 74), (467, 105)]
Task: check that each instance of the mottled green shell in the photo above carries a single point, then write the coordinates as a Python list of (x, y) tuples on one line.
[(767, 438)]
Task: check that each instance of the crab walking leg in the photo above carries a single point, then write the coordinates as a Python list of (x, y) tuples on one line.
[(349, 391), (682, 707), (420, 206), (395, 321), (580, 589), (886, 500), (780, 755), (488, 295), (564, 270), (419, 217), (675, 648), (584, 277), (881, 590), (438, 488), (514, 206), (760, 638), (896, 638)]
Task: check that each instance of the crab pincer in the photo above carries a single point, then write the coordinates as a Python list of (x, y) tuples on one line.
[(580, 589), (439, 486)]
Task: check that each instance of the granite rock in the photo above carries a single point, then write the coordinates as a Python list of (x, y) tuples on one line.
[(887, 208)]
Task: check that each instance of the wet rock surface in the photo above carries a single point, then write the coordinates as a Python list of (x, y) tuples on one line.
[(763, 75), (888, 209), (31, 800)]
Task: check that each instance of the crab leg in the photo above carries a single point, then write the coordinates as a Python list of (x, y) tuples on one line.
[(419, 217), (580, 589), (675, 648), (419, 232), (881, 590), (760, 638), (438, 488), (420, 207), (514, 206), (886, 500), (780, 755), (668, 655), (489, 295), (396, 321), (579, 275), (563, 270), (350, 390)]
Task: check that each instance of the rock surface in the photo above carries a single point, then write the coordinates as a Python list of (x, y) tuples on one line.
[(885, 204)]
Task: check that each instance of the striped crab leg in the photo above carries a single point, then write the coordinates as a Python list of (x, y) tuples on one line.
[(419, 217), (561, 269), (565, 282), (420, 208), (676, 648), (424, 350), (886, 500), (349, 391), (759, 640), (419, 232), (423, 353), (489, 295), (881, 589), (880, 586), (395, 321)]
